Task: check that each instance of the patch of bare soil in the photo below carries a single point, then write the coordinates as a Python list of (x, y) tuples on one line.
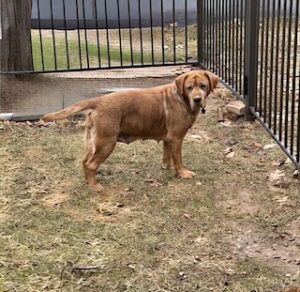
[(55, 200), (241, 203)]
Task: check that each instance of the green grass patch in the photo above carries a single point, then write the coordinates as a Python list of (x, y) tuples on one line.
[(80, 56)]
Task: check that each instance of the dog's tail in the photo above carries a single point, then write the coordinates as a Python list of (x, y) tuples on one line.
[(72, 109)]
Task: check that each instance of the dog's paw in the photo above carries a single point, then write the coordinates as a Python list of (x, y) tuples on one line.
[(186, 174), (98, 188)]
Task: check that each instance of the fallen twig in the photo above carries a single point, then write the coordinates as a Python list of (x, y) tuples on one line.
[(84, 269)]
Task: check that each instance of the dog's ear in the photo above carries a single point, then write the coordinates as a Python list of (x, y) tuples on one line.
[(213, 80), (179, 81)]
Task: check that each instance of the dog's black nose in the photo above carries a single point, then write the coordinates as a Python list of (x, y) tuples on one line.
[(197, 100)]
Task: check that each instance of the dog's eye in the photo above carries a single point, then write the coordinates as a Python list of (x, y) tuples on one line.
[(190, 87), (203, 86)]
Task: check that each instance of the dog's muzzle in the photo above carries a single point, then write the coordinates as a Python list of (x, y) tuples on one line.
[(197, 100)]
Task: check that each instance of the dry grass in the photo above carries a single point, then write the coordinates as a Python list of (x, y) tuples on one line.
[(225, 230)]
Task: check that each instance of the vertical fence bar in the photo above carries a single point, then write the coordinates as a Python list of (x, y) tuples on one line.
[(97, 33), (277, 68), (288, 75), (40, 34), (200, 31), (233, 51), (222, 38), (229, 44), (206, 44), (174, 33), (282, 68), (120, 32), (151, 33), (295, 55), (141, 32), (212, 13), (66, 34), (262, 42), (272, 64), (209, 34), (237, 21), (298, 129), (130, 32), (186, 31), (162, 31), (225, 64), (53, 35), (242, 35), (251, 54), (265, 84), (107, 33), (78, 35), (85, 35)]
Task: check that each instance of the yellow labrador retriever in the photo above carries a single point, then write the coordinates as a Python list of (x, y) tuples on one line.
[(161, 113)]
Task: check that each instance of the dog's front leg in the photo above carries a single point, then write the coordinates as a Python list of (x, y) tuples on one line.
[(167, 157), (176, 150)]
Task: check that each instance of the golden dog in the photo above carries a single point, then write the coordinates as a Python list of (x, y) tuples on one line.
[(160, 113)]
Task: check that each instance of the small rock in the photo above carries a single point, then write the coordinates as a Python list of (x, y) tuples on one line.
[(106, 212), (230, 155), (258, 145), (131, 266), (187, 216), (277, 178), (236, 107), (278, 163), (227, 150), (269, 146)]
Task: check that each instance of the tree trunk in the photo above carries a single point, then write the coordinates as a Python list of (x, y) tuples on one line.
[(15, 35)]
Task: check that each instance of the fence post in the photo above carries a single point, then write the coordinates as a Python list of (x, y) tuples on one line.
[(251, 55), (200, 30)]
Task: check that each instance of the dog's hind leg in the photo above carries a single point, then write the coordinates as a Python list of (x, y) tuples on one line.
[(94, 156)]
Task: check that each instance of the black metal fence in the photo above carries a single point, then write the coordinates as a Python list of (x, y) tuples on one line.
[(254, 45), (277, 102), (94, 34), (223, 46)]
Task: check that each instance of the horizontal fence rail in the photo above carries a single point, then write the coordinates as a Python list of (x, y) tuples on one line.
[(99, 34)]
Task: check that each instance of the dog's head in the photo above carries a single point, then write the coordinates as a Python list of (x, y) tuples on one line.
[(195, 86)]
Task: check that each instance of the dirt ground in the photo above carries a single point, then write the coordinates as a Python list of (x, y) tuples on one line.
[(231, 228)]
